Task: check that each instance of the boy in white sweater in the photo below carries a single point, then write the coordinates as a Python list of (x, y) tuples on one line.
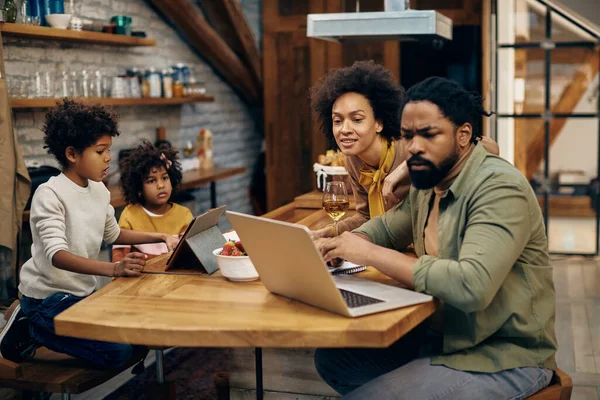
[(70, 217)]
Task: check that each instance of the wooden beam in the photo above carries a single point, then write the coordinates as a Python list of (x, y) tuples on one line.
[(566, 104), (227, 18), (559, 56), (196, 30)]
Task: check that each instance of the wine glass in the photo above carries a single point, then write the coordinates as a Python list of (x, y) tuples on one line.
[(335, 201)]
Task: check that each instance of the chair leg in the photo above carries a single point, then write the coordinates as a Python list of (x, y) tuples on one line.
[(160, 377)]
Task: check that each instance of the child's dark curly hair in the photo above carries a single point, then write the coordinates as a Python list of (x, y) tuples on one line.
[(369, 79), (78, 125), (455, 102), (137, 165)]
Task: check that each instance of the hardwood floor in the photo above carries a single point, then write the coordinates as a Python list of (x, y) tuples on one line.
[(577, 283)]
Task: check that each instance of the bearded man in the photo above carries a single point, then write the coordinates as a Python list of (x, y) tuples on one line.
[(481, 248)]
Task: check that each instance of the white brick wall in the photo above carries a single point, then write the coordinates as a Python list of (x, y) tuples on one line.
[(236, 139)]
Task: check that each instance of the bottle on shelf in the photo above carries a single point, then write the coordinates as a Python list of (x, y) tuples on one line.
[(11, 11), (146, 84), (204, 147), (208, 149), (177, 88), (56, 6)]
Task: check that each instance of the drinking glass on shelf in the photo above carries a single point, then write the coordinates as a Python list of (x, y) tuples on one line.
[(335, 201), (117, 87), (85, 84), (74, 85), (69, 7), (35, 11), (188, 149), (65, 84), (106, 89), (42, 85), (96, 84), (23, 16)]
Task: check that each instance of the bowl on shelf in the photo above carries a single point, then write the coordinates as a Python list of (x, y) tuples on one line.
[(59, 21), (236, 268)]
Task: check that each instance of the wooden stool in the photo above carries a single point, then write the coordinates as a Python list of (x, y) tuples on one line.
[(560, 388), (55, 373)]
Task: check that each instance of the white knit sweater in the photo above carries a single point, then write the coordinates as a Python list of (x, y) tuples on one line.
[(66, 216)]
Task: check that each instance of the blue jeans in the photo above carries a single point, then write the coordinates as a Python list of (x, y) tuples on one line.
[(404, 371), (41, 314)]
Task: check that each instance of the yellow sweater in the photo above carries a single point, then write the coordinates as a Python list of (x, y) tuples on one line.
[(173, 222)]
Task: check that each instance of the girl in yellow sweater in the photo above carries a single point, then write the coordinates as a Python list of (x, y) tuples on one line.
[(149, 178)]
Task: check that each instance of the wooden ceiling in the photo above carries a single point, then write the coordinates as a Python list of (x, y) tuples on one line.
[(225, 41)]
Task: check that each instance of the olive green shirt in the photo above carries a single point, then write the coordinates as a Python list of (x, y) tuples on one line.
[(493, 271)]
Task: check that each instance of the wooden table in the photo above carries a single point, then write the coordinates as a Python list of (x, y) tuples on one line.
[(209, 311)]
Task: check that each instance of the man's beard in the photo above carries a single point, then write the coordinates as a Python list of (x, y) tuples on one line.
[(428, 178)]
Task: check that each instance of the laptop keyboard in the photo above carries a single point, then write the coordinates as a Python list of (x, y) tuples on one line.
[(354, 300)]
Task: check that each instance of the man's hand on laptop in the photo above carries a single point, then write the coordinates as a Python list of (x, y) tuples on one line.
[(349, 246)]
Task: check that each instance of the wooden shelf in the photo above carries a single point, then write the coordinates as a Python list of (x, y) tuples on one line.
[(109, 101), (46, 33)]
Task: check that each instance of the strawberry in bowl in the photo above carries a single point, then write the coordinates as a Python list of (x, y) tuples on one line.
[(233, 249), (234, 262)]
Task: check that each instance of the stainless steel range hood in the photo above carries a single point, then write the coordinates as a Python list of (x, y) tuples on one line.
[(397, 22)]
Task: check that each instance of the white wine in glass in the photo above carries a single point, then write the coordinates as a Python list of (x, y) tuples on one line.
[(335, 201)]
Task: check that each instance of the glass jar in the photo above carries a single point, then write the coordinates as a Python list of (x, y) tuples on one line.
[(146, 84), (154, 82), (190, 89), (177, 89)]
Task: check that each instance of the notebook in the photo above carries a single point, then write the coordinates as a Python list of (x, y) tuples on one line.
[(347, 268)]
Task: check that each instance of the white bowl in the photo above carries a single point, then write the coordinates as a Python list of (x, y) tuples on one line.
[(236, 268), (59, 21)]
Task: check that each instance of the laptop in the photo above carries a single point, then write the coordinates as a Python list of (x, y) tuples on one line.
[(290, 265)]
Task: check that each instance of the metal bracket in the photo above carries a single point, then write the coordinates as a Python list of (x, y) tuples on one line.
[(547, 45), (396, 5), (547, 116)]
